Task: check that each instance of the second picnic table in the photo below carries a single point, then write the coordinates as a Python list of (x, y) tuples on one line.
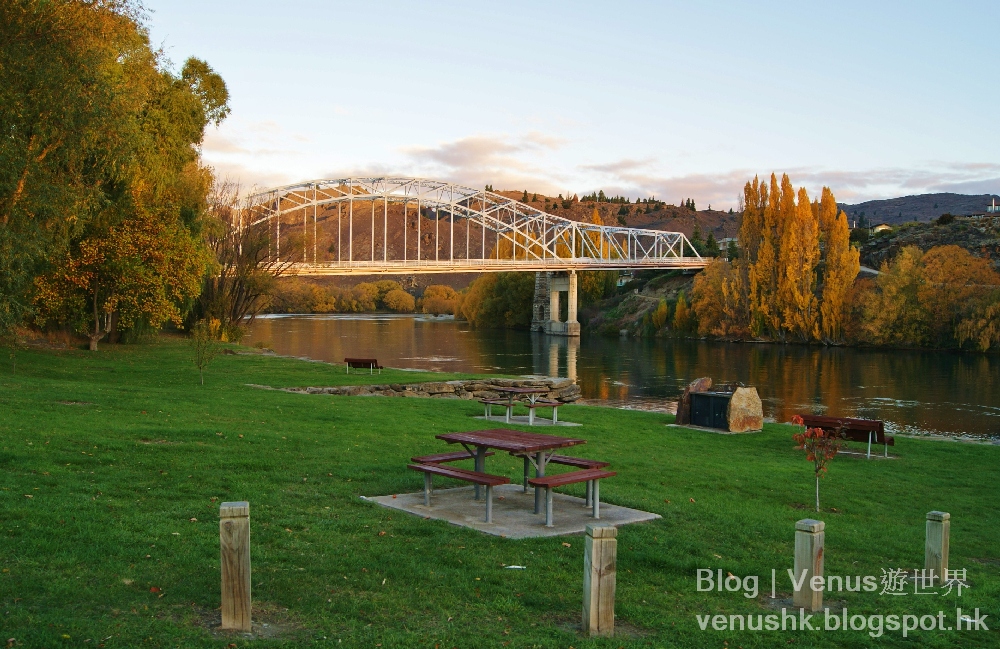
[(536, 449)]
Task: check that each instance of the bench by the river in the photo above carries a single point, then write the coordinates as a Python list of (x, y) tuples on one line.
[(855, 430), (370, 364)]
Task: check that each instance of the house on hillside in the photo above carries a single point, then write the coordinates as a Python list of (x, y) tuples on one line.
[(881, 227), (994, 208)]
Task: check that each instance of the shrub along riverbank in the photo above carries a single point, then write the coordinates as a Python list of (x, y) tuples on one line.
[(114, 465)]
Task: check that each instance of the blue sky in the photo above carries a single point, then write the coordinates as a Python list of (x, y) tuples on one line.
[(672, 99)]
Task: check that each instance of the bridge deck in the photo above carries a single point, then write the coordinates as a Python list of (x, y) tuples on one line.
[(490, 265)]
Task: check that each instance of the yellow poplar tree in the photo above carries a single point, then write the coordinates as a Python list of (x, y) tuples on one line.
[(799, 258), (842, 266)]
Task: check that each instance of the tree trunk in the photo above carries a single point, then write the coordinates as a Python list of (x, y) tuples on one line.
[(817, 493), (201, 373)]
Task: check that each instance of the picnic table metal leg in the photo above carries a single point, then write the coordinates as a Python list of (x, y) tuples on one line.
[(531, 416), (548, 507), (869, 445), (597, 499), (427, 490), (509, 410), (527, 469), (590, 493), (555, 414), (489, 503), (480, 464), (539, 472)]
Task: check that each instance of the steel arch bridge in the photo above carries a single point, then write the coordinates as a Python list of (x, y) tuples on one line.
[(395, 225)]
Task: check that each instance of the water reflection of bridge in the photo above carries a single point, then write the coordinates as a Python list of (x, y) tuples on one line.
[(395, 225)]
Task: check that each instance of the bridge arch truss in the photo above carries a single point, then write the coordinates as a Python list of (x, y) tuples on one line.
[(397, 225)]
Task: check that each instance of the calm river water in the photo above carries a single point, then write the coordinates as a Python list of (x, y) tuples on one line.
[(912, 391)]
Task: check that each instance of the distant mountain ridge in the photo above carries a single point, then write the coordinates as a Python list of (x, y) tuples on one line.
[(921, 208)]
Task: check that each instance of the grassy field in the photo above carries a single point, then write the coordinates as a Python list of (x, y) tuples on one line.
[(113, 465)]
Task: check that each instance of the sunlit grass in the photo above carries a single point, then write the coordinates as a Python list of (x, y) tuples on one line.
[(107, 457)]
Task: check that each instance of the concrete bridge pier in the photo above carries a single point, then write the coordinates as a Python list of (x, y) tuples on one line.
[(545, 316)]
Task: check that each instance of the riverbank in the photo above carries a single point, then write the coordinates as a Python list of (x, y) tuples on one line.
[(114, 465)]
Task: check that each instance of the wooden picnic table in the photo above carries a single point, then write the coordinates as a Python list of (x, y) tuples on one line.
[(530, 393), (536, 448)]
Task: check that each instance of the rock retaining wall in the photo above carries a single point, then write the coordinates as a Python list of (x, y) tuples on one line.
[(562, 390)]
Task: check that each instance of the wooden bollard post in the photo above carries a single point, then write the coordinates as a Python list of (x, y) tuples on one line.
[(234, 545), (809, 537), (600, 552), (936, 545)]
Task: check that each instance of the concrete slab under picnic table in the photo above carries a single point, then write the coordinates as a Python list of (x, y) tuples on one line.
[(513, 511)]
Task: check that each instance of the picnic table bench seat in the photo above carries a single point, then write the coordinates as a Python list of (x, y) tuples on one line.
[(590, 476), (542, 403), (475, 477), (855, 430), (363, 363), (453, 456), (489, 403)]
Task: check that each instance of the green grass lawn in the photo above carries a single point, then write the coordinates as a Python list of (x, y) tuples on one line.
[(113, 465)]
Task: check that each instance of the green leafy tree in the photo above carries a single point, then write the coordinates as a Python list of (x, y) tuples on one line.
[(205, 341)]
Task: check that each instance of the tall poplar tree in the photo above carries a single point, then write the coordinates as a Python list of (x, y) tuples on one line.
[(800, 257), (841, 269)]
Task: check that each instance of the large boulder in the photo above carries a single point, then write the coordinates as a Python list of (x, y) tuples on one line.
[(684, 405), (745, 411)]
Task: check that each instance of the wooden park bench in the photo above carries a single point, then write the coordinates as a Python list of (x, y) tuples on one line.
[(484, 479), (550, 482), (542, 403), (855, 430), (370, 364), (489, 403)]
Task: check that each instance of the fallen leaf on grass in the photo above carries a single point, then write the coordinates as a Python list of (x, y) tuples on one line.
[(691, 499), (382, 533), (193, 520), (666, 501), (567, 545), (28, 496), (154, 589)]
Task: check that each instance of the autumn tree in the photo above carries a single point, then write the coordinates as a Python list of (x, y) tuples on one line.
[(99, 156), (842, 263)]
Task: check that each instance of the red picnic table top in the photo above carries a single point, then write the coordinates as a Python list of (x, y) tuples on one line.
[(514, 441)]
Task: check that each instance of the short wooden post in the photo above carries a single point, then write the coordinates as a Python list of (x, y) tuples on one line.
[(600, 553), (809, 537), (936, 546), (234, 544)]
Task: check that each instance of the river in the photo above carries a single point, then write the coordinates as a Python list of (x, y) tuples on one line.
[(914, 392)]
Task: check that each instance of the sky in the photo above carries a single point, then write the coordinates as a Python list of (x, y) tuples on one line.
[(668, 99)]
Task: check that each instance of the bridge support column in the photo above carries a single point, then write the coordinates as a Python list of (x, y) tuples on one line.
[(558, 282), (572, 326)]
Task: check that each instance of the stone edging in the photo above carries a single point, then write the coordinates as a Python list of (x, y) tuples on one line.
[(562, 390)]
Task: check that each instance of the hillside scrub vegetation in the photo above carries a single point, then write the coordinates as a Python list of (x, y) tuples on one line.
[(296, 295)]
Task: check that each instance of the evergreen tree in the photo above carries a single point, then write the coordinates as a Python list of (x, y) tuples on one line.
[(524, 196), (711, 246)]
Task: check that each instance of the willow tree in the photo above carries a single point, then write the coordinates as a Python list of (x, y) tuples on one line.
[(100, 151)]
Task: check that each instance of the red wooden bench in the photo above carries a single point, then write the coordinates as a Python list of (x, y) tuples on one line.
[(550, 482), (855, 430), (370, 364), (565, 460), (485, 479)]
